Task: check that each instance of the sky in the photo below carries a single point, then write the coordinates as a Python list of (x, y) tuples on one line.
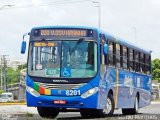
[(136, 21)]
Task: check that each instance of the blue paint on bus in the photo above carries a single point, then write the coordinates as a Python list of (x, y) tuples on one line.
[(123, 84)]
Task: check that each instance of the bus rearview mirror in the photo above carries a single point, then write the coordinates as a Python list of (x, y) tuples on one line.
[(23, 47), (105, 49)]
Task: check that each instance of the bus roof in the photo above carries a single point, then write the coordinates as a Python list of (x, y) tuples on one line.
[(107, 35)]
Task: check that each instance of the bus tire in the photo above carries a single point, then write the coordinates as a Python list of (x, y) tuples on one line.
[(85, 113), (136, 106), (48, 112), (90, 113), (132, 111), (109, 107)]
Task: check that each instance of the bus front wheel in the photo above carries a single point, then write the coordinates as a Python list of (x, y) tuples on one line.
[(109, 107), (48, 112), (86, 113)]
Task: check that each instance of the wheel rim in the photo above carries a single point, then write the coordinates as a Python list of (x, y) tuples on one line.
[(108, 106)]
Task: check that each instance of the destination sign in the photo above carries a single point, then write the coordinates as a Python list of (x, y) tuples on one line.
[(64, 32), (44, 44)]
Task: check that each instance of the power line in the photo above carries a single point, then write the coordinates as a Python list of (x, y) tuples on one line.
[(49, 4)]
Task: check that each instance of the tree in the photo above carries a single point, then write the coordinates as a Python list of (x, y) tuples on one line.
[(13, 76), (156, 69), (20, 67)]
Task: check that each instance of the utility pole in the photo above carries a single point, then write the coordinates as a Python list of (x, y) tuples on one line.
[(4, 62), (99, 12), (1, 76)]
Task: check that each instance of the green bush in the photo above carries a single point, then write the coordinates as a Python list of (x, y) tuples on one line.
[(1, 91)]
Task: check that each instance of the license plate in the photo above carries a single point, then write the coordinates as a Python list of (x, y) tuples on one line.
[(59, 102)]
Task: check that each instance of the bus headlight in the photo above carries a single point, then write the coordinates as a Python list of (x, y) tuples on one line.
[(89, 92), (32, 91)]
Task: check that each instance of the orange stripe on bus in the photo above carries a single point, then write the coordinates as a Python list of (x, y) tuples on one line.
[(116, 89)]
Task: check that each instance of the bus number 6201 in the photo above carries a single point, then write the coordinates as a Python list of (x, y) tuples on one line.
[(73, 92)]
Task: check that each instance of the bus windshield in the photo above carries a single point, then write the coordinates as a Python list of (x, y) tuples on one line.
[(71, 59)]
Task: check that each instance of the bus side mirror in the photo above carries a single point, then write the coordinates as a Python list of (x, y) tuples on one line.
[(23, 47), (105, 49)]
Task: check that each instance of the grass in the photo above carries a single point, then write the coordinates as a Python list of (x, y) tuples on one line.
[(157, 100), (29, 114), (13, 103)]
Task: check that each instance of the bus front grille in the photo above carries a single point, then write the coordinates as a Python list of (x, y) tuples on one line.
[(60, 86)]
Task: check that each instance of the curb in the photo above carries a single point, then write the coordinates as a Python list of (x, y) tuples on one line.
[(1, 104)]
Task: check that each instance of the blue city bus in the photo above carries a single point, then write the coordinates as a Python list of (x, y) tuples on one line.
[(87, 70)]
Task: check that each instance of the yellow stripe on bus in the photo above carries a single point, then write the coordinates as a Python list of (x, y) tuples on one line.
[(116, 89), (47, 92)]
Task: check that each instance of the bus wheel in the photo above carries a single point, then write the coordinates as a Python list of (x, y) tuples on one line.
[(136, 106), (85, 113), (109, 107), (48, 112), (132, 111), (91, 113)]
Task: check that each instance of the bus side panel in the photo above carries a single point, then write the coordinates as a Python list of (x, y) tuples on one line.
[(126, 85), (130, 85), (144, 88), (121, 82), (103, 85), (126, 91)]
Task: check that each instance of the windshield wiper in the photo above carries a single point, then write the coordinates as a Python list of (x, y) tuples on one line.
[(78, 42)]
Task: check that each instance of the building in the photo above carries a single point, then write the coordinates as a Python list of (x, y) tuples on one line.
[(15, 63)]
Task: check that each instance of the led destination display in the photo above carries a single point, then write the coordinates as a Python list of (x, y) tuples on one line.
[(64, 32)]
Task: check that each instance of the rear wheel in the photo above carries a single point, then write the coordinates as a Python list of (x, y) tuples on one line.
[(132, 111), (48, 112)]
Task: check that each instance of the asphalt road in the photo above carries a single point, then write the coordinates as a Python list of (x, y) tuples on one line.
[(22, 112)]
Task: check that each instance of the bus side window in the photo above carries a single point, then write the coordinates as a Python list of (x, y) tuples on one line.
[(148, 64), (131, 60), (118, 55), (121, 56), (125, 60), (128, 58), (136, 54), (142, 63), (102, 56), (110, 53)]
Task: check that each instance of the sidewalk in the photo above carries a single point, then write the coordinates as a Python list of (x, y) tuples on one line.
[(17, 109), (155, 102)]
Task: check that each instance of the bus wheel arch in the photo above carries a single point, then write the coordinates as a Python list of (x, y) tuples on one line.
[(136, 103), (138, 96), (110, 92)]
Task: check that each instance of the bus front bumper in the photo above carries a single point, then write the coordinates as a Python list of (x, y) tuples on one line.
[(70, 101)]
